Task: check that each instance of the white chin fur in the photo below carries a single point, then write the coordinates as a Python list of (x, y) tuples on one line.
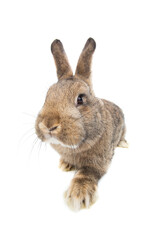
[(53, 140)]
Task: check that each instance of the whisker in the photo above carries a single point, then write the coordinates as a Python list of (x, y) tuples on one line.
[(24, 137), (28, 114), (34, 143), (27, 123), (45, 145), (28, 137), (40, 145)]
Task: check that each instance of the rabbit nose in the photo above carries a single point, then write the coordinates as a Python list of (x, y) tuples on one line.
[(53, 128), (46, 129)]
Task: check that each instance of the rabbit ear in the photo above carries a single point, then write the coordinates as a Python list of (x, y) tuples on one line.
[(83, 69), (64, 70)]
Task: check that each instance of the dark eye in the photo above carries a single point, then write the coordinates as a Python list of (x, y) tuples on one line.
[(80, 99)]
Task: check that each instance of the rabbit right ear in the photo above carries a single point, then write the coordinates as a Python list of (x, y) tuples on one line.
[(64, 70), (83, 69)]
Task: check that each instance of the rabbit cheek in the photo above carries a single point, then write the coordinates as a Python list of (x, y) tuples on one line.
[(72, 134)]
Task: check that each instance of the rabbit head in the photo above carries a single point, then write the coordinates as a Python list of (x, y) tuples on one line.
[(71, 115)]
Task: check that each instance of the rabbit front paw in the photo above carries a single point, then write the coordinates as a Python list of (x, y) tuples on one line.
[(81, 194), (64, 166)]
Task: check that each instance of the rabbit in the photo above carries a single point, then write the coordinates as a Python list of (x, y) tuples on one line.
[(82, 128)]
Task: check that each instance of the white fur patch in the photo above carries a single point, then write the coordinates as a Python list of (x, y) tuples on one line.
[(76, 203), (53, 140), (123, 144)]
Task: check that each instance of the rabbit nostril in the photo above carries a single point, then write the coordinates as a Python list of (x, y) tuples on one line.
[(53, 128)]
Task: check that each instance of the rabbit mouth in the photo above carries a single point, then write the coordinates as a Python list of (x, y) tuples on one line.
[(55, 141)]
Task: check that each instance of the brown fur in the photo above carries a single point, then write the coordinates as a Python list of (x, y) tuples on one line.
[(94, 129)]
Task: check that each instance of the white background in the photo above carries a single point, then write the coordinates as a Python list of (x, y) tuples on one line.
[(126, 70)]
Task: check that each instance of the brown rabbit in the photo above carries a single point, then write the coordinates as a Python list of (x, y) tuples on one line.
[(82, 128)]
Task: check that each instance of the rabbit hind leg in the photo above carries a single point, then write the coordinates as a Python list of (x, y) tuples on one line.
[(123, 143)]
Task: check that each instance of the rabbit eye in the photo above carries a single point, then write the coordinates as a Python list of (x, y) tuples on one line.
[(80, 99)]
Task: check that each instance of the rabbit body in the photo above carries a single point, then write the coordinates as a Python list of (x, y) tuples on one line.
[(82, 128)]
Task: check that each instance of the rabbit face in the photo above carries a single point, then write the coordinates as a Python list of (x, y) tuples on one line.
[(65, 116)]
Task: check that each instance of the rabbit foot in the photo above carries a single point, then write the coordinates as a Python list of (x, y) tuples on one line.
[(64, 166), (123, 144), (82, 193)]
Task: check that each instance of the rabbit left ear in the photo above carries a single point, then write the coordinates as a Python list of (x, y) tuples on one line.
[(64, 70), (83, 69)]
